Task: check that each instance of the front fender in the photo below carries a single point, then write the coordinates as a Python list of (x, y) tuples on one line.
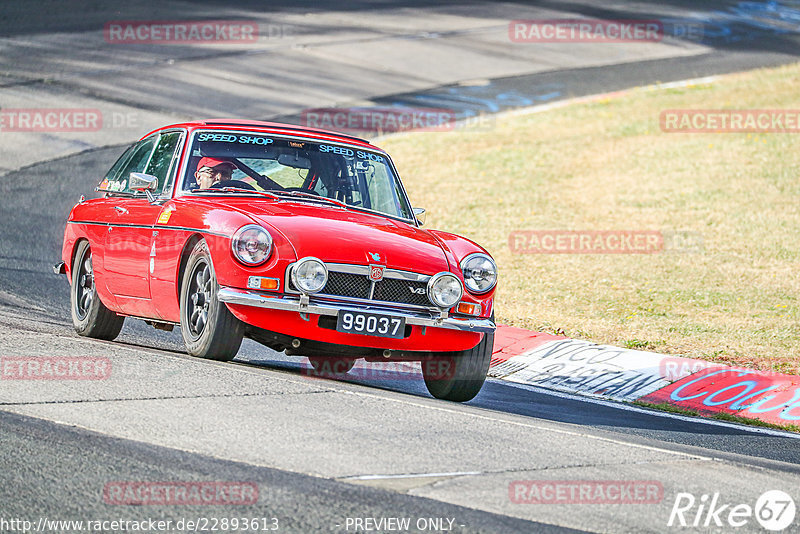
[(217, 223), (457, 248)]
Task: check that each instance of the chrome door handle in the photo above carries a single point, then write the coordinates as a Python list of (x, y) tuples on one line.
[(120, 209)]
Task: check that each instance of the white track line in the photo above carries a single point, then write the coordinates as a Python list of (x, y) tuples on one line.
[(412, 475)]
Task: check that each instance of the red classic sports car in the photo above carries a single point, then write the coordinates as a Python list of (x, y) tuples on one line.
[(301, 239)]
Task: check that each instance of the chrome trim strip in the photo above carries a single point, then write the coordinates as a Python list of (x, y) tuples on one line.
[(188, 229), (366, 302), (152, 227), (319, 307)]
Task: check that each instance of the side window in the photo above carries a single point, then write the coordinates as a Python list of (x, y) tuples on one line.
[(112, 178), (117, 179), (162, 159)]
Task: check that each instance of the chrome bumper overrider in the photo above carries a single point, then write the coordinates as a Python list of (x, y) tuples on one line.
[(319, 307)]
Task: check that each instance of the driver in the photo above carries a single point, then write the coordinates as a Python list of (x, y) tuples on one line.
[(212, 170)]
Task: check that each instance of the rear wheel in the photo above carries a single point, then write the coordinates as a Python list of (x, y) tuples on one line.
[(209, 329), (89, 315), (459, 376)]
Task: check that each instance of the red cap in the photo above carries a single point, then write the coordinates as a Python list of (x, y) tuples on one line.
[(214, 162)]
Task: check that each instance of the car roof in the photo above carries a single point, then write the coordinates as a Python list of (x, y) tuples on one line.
[(269, 127)]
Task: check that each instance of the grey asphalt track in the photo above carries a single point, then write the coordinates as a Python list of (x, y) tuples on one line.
[(76, 465), (324, 450)]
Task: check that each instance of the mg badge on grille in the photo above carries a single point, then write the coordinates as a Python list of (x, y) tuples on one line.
[(376, 273)]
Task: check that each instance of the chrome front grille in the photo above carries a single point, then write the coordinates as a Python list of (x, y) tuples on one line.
[(352, 282), (394, 290), (347, 285)]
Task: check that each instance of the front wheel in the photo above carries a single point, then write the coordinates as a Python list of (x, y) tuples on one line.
[(459, 376), (209, 329), (90, 317)]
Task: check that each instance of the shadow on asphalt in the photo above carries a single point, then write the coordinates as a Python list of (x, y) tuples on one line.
[(504, 397)]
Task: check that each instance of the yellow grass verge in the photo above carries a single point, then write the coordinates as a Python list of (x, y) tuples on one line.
[(606, 165)]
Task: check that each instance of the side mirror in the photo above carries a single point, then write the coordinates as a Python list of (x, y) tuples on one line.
[(419, 214), (139, 181)]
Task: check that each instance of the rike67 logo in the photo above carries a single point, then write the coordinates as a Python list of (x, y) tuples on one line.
[(774, 510)]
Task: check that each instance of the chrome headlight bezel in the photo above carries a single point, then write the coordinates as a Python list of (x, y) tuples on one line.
[(470, 283), (432, 286), (300, 263), (236, 240)]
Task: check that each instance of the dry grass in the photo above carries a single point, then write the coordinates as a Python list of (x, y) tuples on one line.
[(605, 165)]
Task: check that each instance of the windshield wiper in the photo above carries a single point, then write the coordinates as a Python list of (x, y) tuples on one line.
[(311, 196), (275, 194), (267, 194)]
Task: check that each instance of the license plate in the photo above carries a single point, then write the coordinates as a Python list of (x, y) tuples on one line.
[(371, 324)]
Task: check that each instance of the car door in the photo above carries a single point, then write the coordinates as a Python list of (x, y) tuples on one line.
[(131, 225)]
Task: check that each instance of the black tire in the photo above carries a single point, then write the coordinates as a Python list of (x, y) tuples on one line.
[(89, 315), (328, 366), (459, 376), (209, 329)]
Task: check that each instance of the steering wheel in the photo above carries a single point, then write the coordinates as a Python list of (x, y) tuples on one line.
[(232, 183), (302, 190)]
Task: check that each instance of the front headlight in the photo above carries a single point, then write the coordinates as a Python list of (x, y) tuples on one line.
[(309, 275), (444, 289), (480, 272), (251, 245)]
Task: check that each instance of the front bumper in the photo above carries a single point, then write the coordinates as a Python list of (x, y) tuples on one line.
[(321, 307)]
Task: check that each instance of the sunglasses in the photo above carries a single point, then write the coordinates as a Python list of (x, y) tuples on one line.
[(211, 172)]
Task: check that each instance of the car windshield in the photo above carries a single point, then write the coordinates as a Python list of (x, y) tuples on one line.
[(298, 169)]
